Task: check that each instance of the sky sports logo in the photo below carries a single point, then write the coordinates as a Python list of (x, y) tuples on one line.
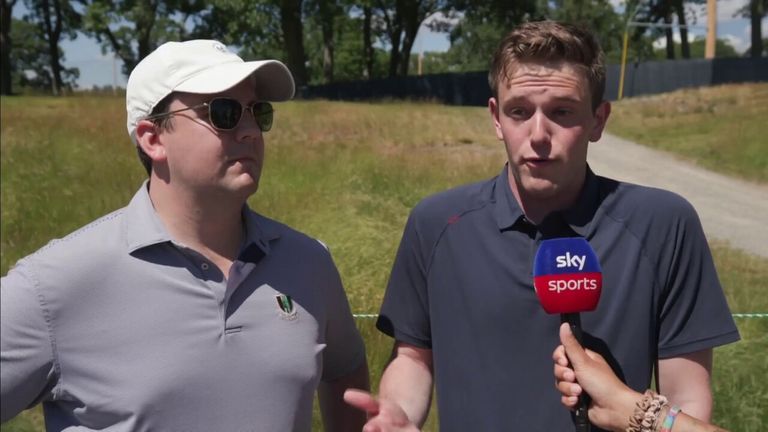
[(572, 282), (567, 275)]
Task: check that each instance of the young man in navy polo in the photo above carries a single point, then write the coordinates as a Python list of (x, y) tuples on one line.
[(460, 302)]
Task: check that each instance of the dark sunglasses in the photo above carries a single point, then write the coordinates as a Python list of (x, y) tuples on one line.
[(225, 113)]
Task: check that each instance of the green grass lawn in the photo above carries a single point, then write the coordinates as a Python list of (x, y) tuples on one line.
[(346, 173)]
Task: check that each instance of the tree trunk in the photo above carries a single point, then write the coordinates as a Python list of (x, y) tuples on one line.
[(756, 13), (290, 23), (367, 46), (685, 49), (52, 33), (411, 22), (394, 26), (669, 35), (327, 16), (6, 7)]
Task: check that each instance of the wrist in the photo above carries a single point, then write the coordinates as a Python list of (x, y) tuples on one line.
[(626, 402), (645, 417), (662, 415)]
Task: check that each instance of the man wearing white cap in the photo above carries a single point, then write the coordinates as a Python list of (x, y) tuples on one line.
[(185, 310)]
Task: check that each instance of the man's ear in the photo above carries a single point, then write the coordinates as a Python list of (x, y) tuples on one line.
[(148, 138), (602, 113), (493, 108)]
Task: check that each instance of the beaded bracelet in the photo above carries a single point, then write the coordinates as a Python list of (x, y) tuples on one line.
[(646, 412), (670, 420)]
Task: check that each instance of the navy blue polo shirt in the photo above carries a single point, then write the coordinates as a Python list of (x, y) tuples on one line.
[(462, 286)]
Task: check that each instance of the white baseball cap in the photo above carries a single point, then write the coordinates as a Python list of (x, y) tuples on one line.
[(202, 67)]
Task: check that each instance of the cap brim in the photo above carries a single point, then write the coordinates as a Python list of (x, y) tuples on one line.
[(272, 78)]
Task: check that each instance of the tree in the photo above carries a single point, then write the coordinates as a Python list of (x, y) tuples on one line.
[(481, 24), (290, 23), (30, 64), (402, 20), (54, 19), (756, 10), (597, 15), (326, 13), (367, 45), (119, 25), (679, 8), (260, 28), (6, 42)]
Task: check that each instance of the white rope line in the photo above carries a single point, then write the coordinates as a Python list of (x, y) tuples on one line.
[(736, 315)]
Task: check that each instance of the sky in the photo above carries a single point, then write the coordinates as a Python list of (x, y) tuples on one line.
[(100, 69)]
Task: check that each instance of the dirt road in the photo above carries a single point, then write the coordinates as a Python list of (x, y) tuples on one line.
[(732, 210)]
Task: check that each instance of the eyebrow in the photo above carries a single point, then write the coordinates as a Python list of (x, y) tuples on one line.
[(557, 99)]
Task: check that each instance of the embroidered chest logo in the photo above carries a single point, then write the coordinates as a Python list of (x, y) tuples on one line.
[(287, 308)]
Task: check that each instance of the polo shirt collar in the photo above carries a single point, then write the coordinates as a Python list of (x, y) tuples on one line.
[(142, 226), (578, 216), (507, 209), (581, 213)]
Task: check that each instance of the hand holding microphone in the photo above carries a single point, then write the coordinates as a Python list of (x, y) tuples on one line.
[(568, 280), (612, 401)]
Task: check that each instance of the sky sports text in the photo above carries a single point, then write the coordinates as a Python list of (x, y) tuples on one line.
[(584, 283), (569, 260)]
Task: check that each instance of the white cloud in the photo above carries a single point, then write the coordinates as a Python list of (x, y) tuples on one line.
[(662, 41), (738, 43)]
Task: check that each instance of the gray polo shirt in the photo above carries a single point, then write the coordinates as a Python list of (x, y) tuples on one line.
[(119, 327), (462, 285)]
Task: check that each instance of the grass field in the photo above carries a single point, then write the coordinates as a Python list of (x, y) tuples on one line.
[(345, 173)]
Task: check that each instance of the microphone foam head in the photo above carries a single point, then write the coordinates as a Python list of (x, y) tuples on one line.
[(567, 276)]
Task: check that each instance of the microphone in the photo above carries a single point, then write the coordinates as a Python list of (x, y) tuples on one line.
[(568, 280)]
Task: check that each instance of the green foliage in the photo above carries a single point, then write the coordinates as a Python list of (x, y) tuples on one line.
[(133, 28), (252, 25), (475, 37), (596, 15)]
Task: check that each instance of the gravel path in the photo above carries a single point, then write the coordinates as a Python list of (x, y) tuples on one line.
[(732, 210)]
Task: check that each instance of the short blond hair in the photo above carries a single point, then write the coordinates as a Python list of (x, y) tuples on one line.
[(550, 41)]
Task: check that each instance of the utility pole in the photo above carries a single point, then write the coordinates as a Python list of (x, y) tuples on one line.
[(709, 48)]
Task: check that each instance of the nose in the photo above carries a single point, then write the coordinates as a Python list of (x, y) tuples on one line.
[(540, 133), (248, 129)]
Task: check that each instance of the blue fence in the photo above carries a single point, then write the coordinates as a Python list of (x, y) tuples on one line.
[(471, 88)]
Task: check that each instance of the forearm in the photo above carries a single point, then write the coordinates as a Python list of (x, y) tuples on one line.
[(685, 381), (337, 414), (407, 381)]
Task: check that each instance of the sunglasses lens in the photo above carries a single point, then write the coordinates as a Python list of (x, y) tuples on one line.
[(225, 113), (263, 113)]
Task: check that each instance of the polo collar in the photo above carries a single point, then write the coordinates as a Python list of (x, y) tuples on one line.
[(582, 212), (142, 226), (507, 210), (578, 216)]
